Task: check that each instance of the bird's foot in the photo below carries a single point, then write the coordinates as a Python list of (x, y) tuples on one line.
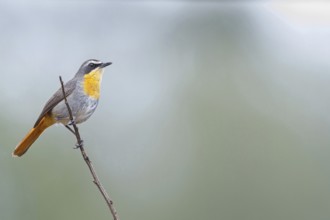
[(71, 122)]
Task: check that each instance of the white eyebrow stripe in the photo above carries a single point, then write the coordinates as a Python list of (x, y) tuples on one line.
[(95, 61)]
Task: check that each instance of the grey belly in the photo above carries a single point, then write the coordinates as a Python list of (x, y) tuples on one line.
[(81, 111)]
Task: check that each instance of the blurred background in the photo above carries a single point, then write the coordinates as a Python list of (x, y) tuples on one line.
[(211, 109)]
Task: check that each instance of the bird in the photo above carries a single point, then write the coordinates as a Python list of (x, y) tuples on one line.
[(82, 94)]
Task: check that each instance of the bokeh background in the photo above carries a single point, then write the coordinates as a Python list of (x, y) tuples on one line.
[(211, 109)]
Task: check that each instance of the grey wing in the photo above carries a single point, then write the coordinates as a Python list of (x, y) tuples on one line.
[(56, 98)]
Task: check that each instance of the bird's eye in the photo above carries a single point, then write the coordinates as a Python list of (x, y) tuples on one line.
[(92, 65)]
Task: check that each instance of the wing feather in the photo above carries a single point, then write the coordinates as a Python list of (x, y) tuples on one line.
[(56, 98)]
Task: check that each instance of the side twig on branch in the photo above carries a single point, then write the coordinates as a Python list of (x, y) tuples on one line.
[(80, 145)]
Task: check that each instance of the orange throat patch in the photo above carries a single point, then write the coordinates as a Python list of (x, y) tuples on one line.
[(92, 83)]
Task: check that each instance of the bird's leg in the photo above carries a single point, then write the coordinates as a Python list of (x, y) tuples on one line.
[(70, 129), (79, 144)]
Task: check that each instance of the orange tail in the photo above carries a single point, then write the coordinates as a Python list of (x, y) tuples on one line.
[(33, 135)]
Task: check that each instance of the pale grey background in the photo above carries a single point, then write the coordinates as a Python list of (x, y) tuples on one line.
[(211, 110)]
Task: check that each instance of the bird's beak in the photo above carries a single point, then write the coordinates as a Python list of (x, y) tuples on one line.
[(105, 64)]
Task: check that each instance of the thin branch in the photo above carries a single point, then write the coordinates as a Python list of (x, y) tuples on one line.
[(70, 129), (80, 145)]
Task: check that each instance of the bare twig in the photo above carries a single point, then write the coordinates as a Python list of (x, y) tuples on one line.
[(80, 145)]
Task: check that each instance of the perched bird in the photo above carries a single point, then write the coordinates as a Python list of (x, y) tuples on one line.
[(82, 93)]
